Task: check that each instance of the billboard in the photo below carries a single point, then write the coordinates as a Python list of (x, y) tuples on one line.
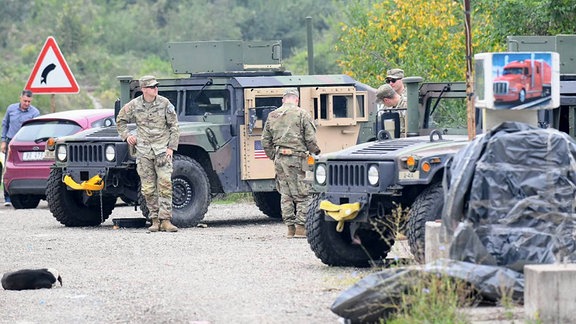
[(517, 80)]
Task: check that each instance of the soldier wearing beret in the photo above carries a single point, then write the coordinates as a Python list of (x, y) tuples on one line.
[(288, 137), (156, 139)]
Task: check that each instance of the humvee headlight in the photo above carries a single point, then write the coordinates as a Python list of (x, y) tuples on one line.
[(110, 153), (320, 174), (61, 153), (373, 175)]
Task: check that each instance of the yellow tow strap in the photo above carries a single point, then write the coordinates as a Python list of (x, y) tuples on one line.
[(95, 183), (340, 213)]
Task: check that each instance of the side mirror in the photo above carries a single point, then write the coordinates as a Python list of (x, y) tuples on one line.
[(116, 108)]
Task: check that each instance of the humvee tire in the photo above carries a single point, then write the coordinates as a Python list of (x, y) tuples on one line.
[(426, 208), (68, 208), (25, 201), (268, 203), (336, 248), (190, 192)]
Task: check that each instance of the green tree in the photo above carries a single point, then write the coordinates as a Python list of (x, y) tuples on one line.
[(425, 38)]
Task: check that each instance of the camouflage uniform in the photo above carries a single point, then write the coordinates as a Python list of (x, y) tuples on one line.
[(157, 130), (289, 133)]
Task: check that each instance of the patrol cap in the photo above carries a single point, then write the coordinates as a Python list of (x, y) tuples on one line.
[(385, 91), (395, 73), (148, 81), (291, 91)]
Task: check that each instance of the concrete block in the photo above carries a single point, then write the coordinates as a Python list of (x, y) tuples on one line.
[(436, 245), (550, 292)]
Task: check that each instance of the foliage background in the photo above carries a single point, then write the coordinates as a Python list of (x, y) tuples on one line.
[(102, 39)]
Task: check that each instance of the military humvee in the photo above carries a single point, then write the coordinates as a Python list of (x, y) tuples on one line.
[(352, 219), (222, 105), (357, 190)]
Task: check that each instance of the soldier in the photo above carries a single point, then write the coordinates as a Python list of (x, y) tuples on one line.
[(394, 78), (392, 100), (156, 140), (289, 136)]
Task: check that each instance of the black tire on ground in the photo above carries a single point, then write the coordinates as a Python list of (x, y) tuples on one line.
[(426, 208), (68, 206), (25, 201), (336, 248), (190, 192), (269, 203)]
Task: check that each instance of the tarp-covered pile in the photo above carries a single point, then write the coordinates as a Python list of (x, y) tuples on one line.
[(510, 201)]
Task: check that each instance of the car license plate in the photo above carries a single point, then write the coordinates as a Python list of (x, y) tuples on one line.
[(33, 156), (407, 175)]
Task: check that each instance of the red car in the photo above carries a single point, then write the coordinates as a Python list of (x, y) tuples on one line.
[(27, 169)]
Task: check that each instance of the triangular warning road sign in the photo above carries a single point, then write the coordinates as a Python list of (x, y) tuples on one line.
[(51, 73)]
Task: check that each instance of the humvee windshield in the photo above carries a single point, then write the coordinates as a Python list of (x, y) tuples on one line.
[(200, 103)]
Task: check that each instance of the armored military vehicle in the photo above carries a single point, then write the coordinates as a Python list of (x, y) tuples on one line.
[(362, 192), (222, 103)]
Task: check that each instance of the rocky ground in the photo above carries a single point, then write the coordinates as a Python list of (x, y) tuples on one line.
[(236, 268)]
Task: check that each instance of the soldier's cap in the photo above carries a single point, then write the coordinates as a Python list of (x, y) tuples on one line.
[(385, 91), (291, 91), (148, 81), (395, 74)]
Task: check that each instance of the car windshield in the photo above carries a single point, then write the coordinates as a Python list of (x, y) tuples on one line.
[(44, 129)]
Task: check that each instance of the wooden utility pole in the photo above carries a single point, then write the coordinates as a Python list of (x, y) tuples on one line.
[(470, 109)]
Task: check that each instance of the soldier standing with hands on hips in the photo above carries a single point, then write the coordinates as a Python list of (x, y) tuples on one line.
[(288, 137), (156, 140)]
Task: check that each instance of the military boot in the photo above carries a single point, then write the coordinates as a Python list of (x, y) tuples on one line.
[(166, 226), (300, 231), (291, 231), (155, 225)]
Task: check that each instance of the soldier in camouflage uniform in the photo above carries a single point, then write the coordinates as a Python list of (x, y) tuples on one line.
[(156, 140), (392, 100), (394, 79), (289, 136)]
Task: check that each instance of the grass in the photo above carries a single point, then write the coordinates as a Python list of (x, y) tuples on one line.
[(434, 299), (233, 198), (428, 298)]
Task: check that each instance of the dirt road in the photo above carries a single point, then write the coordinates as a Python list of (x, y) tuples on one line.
[(237, 268)]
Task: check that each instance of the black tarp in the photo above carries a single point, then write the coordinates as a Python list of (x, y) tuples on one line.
[(509, 202)]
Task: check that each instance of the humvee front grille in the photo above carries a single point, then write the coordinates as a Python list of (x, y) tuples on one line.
[(85, 153), (346, 175)]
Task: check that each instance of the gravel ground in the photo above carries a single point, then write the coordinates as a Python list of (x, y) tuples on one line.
[(237, 268)]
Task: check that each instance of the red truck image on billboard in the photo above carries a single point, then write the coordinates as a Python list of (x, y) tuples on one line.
[(519, 80)]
